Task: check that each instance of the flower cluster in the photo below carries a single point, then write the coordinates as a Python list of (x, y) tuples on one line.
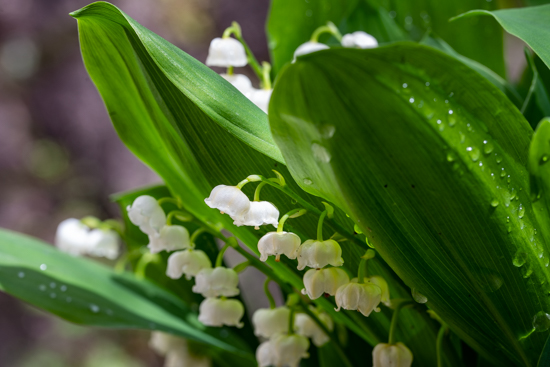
[(76, 238), (176, 351)]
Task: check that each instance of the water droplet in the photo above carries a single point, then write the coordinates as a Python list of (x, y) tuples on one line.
[(528, 272), (521, 211), (43, 267), (411, 100), (405, 85), (320, 153), (498, 158), (487, 147), (462, 137), (21, 274), (446, 101), (494, 203), (419, 297), (474, 153), (520, 258), (327, 131), (541, 321), (307, 181), (53, 295), (450, 112), (63, 288), (502, 173), (42, 287), (451, 157), (357, 229), (427, 84), (53, 285), (94, 308), (543, 160)]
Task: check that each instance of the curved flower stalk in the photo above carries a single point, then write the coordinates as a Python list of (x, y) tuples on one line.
[(320, 281), (215, 282), (221, 311), (359, 39), (146, 213), (189, 262), (170, 238)]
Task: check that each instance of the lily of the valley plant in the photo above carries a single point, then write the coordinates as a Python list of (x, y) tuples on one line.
[(380, 170)]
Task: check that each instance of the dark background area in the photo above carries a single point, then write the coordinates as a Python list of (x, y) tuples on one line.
[(61, 158)]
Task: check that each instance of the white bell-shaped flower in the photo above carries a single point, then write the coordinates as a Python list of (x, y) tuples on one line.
[(359, 39), (306, 326), (146, 213), (72, 237), (103, 243), (265, 356), (219, 312), (261, 97), (268, 322), (320, 281), (170, 238), (228, 199), (189, 262), (363, 297), (309, 47), (391, 355), (318, 254), (226, 52), (241, 82), (184, 358), (288, 350), (260, 213), (279, 243), (216, 282), (381, 282)]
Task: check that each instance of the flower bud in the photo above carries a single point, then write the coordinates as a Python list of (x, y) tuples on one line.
[(268, 322), (170, 238), (146, 213), (279, 243), (318, 254), (241, 82), (219, 312), (228, 199), (72, 237), (288, 350), (189, 262), (226, 52), (319, 282), (306, 326), (359, 39), (216, 282), (309, 47), (260, 213), (363, 297), (391, 355), (381, 282), (103, 243), (261, 97)]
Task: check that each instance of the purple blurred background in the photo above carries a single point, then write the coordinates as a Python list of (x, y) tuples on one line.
[(61, 158)]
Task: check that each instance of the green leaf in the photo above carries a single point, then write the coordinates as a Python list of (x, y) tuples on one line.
[(85, 292), (528, 24), (537, 101), (544, 359), (477, 39), (429, 159), (193, 153)]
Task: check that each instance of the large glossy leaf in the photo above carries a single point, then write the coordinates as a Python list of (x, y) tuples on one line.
[(429, 159), (529, 24), (193, 152), (85, 292)]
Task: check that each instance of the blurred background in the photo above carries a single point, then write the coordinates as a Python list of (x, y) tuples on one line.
[(61, 158)]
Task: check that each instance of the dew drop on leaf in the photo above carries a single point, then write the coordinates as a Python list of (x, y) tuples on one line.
[(94, 308), (21, 274), (43, 267), (521, 211), (519, 259), (307, 181), (320, 153), (418, 297), (487, 147), (494, 203), (541, 321), (473, 152)]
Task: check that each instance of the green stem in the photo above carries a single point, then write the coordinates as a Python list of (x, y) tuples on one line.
[(291, 321), (362, 271), (320, 226), (241, 267), (145, 260), (310, 208), (219, 259), (196, 234), (329, 28), (257, 192), (251, 178), (270, 298), (439, 345), (393, 325), (165, 200), (251, 58), (230, 70), (288, 215), (179, 215), (266, 73)]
